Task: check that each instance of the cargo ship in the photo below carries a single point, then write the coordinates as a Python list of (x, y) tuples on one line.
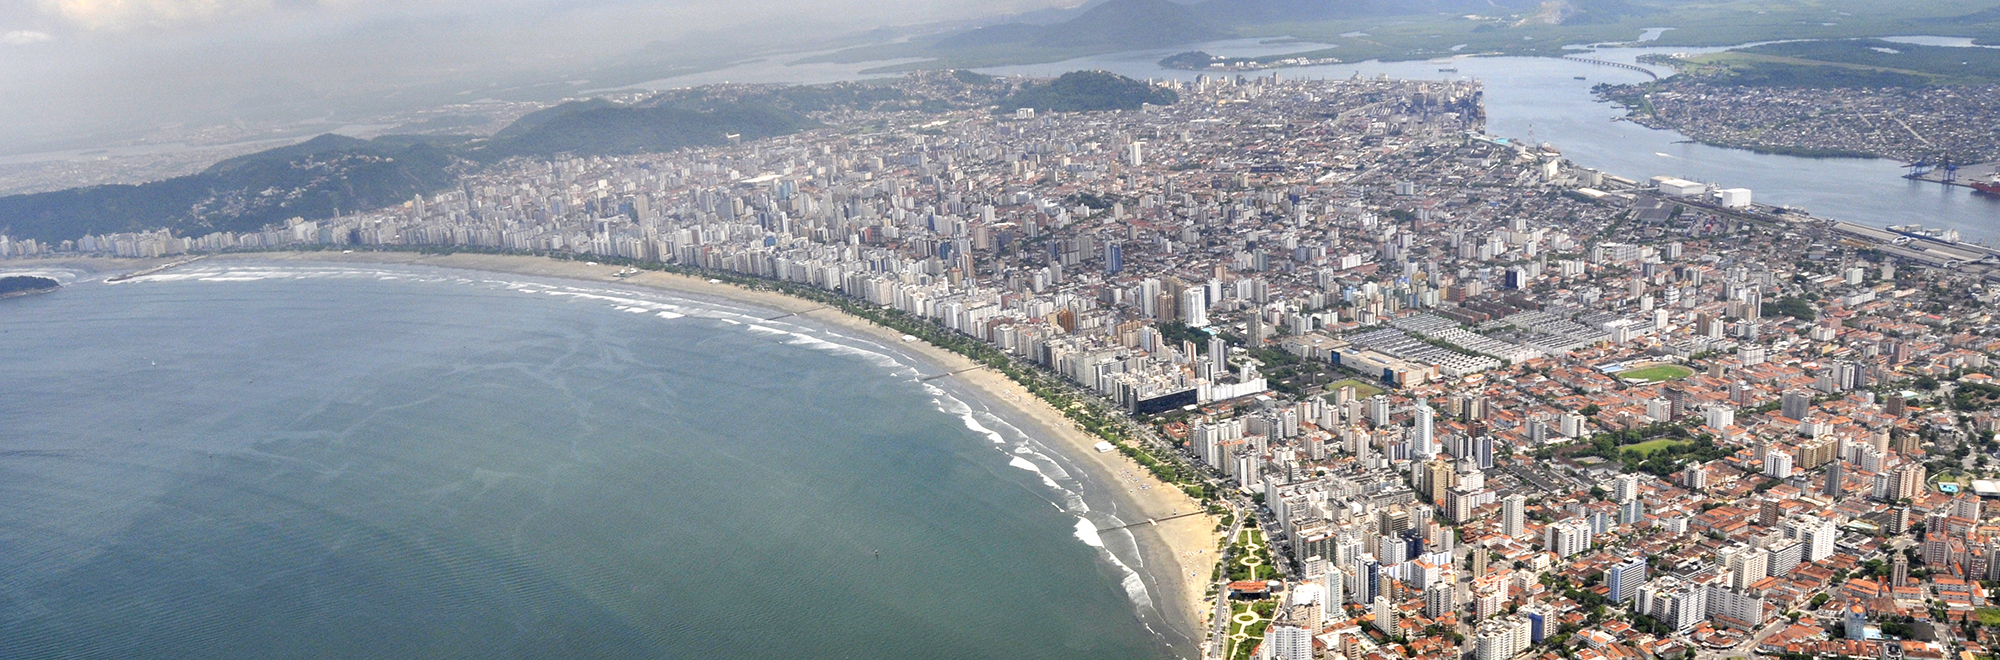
[(1990, 186)]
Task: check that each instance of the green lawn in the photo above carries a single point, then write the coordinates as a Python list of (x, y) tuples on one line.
[(1658, 373), (1650, 446), (1989, 616), (1361, 390)]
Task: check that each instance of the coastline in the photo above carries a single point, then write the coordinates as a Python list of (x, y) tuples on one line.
[(1185, 547)]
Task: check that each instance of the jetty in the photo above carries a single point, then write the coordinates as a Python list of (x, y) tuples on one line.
[(156, 269)]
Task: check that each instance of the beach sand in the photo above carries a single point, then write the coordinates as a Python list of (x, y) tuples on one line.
[(1178, 554)]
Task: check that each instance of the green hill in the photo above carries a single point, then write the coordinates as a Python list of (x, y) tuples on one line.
[(581, 128), (331, 173), (1083, 91), (311, 180), (19, 284)]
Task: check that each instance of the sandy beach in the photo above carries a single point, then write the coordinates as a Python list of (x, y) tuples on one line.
[(1179, 554)]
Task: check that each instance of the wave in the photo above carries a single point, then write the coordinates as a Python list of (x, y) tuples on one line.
[(1135, 586)]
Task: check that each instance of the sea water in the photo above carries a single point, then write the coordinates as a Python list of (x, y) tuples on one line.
[(246, 460)]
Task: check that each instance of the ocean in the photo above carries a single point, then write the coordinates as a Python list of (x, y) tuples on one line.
[(249, 460)]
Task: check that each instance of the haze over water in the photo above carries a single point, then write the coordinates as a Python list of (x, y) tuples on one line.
[(266, 462)]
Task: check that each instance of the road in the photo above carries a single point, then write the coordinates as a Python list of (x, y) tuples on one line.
[(1218, 633)]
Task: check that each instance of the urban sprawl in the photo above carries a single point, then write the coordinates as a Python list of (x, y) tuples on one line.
[(1450, 394)]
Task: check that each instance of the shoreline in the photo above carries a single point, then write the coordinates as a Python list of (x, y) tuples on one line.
[(1187, 545)]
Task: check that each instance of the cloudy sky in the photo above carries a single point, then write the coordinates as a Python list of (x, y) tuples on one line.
[(97, 69)]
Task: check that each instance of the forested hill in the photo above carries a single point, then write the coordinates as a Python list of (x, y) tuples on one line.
[(22, 284), (1080, 91), (334, 174), (311, 179)]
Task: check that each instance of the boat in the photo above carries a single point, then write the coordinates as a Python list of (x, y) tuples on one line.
[(1990, 186), (1581, 78), (1448, 70)]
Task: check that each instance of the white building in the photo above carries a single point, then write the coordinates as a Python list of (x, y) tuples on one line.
[(1513, 515), (1569, 537), (1735, 198), (1501, 638), (1288, 642)]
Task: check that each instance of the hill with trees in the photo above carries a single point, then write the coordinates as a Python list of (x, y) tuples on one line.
[(1084, 91), (25, 284)]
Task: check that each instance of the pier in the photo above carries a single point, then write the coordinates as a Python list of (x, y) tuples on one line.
[(927, 379), (1620, 65), (802, 311), (1962, 175), (1153, 521)]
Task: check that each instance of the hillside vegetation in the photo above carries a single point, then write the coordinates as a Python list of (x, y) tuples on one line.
[(334, 174), (1083, 91)]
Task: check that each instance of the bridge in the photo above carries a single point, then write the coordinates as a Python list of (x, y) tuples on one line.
[(1620, 65)]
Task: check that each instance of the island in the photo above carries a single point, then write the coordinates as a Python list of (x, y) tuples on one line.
[(21, 285)]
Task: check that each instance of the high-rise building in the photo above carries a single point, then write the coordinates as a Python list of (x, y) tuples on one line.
[(1423, 434), (1719, 416), (1679, 605), (1624, 578), (1439, 599), (1965, 507), (1836, 476), (1910, 481), (1746, 564), (1631, 512), (1437, 480), (1385, 616), (1795, 404), (1513, 515), (1287, 641), (1695, 477), (1899, 570), (1378, 410), (1678, 400), (1568, 537), (1501, 638), (1855, 619), (1194, 307), (1625, 487), (1541, 621), (1783, 556), (1819, 539), (1777, 463), (1114, 258), (1768, 511)]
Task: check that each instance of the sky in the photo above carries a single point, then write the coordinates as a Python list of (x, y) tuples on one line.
[(77, 71)]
